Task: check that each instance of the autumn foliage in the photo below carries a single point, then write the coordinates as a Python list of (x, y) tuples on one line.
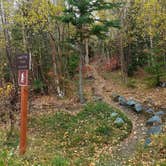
[(113, 64)]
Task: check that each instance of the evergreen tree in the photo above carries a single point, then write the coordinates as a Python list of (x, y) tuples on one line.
[(81, 14)]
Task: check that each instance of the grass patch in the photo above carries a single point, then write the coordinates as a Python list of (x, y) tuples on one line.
[(73, 140), (115, 76)]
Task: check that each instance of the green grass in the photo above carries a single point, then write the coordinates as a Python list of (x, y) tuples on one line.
[(115, 76), (63, 139)]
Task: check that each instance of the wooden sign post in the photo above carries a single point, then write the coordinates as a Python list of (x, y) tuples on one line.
[(23, 67)]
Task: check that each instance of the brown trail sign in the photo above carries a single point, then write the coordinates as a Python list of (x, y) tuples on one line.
[(23, 63)]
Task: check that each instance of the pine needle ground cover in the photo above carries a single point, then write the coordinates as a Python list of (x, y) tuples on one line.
[(64, 139)]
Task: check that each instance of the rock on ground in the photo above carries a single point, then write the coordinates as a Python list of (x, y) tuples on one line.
[(154, 119)]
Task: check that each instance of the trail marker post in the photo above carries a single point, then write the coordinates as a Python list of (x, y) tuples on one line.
[(23, 63)]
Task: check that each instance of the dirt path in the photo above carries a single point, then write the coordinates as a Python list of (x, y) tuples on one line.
[(127, 147), (103, 89)]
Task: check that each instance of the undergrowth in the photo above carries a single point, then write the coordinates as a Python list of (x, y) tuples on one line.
[(62, 139)]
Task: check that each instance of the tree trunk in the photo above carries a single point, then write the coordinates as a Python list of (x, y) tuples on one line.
[(8, 45), (81, 95), (12, 67), (123, 62), (60, 66), (151, 51), (87, 52), (57, 82), (122, 55)]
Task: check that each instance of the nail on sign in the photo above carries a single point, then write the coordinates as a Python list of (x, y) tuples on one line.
[(23, 62), (23, 77)]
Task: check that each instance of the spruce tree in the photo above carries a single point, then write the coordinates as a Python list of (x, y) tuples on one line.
[(81, 14)]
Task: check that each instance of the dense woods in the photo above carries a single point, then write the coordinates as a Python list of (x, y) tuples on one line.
[(59, 35), (64, 37)]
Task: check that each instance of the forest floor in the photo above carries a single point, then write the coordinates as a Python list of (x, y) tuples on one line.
[(103, 85), (138, 87), (127, 147), (44, 134)]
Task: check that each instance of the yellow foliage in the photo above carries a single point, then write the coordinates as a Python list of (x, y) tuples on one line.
[(40, 14), (1, 91), (6, 90), (151, 18)]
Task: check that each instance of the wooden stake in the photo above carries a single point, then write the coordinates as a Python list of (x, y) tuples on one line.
[(24, 111)]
